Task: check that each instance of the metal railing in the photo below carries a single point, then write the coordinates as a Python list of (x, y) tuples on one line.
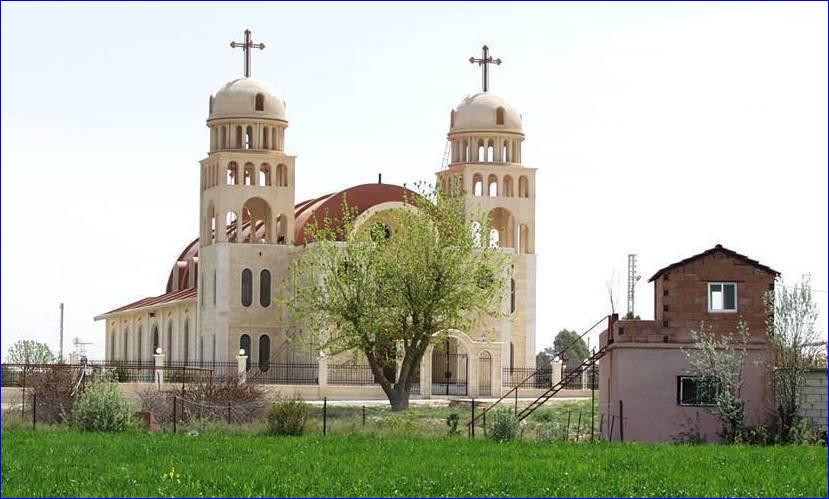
[(350, 374), (528, 377), (284, 373)]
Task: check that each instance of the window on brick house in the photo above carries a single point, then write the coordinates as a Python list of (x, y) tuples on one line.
[(722, 297), (695, 391)]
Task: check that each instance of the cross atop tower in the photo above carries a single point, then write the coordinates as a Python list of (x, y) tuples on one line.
[(246, 46), (485, 61)]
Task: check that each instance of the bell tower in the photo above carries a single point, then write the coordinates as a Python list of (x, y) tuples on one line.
[(485, 138), (247, 208)]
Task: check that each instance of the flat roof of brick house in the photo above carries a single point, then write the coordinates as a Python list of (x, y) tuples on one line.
[(717, 248)]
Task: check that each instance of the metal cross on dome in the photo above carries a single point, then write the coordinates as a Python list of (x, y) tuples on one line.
[(485, 61), (246, 46)]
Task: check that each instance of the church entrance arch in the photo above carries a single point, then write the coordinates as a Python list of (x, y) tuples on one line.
[(450, 368)]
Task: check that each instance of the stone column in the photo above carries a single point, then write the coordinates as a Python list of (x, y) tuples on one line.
[(158, 357), (556, 374), (426, 375), (322, 372), (241, 367)]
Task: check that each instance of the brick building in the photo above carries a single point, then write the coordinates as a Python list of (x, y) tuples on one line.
[(645, 367)]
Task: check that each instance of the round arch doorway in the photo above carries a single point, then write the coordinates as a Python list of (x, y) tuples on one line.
[(450, 368)]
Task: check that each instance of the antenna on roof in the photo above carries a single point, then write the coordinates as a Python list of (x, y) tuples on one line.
[(632, 278), (379, 178)]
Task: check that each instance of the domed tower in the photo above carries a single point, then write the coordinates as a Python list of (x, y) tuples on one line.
[(485, 138), (247, 210)]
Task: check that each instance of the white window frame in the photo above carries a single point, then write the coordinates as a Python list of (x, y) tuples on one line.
[(680, 397), (723, 311)]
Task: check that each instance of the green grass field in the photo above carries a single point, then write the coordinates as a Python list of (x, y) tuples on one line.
[(64, 463)]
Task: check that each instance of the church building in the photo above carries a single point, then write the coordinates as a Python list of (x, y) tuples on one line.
[(218, 297)]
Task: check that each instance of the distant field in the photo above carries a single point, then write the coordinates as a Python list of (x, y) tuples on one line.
[(65, 463)]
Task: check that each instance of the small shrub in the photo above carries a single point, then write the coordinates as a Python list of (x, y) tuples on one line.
[(691, 433), (55, 390), (288, 417), (452, 422), (399, 423), (504, 426), (101, 407), (549, 432)]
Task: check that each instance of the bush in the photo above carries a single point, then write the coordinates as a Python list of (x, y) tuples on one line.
[(55, 390), (504, 426), (101, 407), (288, 417), (548, 432), (452, 423)]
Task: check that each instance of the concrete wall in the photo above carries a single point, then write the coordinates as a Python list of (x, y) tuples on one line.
[(813, 400)]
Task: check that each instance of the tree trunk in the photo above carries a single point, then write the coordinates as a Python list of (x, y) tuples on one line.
[(399, 399)]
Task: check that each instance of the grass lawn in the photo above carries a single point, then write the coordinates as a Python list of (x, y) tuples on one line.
[(54, 462)]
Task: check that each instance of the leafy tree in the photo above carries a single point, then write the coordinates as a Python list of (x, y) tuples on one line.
[(719, 361), (574, 355), (399, 284), (30, 352), (792, 329), (545, 356)]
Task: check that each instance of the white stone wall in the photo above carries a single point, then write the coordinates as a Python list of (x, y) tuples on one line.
[(813, 400)]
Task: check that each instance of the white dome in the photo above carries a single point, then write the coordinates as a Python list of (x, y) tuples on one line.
[(480, 112), (238, 99)]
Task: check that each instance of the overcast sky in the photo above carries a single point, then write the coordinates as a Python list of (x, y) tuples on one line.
[(659, 129)]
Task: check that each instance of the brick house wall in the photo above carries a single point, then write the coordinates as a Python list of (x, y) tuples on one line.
[(813, 398)]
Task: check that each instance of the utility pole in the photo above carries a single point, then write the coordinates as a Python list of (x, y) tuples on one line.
[(60, 348), (632, 278)]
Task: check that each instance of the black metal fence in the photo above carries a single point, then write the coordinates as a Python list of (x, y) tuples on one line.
[(283, 373), (222, 370), (350, 374), (513, 376)]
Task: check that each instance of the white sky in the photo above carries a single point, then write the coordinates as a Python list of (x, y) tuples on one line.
[(660, 129)]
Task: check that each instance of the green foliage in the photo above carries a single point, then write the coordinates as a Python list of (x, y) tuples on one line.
[(405, 277), (30, 352), (101, 407), (136, 464), (452, 422), (288, 417), (504, 426), (575, 354), (402, 423)]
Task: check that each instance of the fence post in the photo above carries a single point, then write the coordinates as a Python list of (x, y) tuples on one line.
[(473, 417), (322, 371), (241, 367), (228, 413), (592, 395), (567, 433), (612, 421), (578, 427), (34, 411), (158, 357), (621, 422), (175, 415), (325, 415), (516, 400), (601, 425), (555, 373), (364, 415)]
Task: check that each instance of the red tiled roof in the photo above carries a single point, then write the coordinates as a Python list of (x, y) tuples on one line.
[(152, 301), (720, 248)]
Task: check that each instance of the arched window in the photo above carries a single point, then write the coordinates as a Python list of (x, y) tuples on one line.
[(155, 339), (186, 340), (239, 133), (281, 229), (465, 151), (524, 243), (111, 345), (505, 153), (265, 288), (169, 353), (490, 151), (250, 171), (125, 349), (523, 187), (511, 295), (247, 287), (249, 137), (492, 186), (265, 174), (499, 116), (493, 238), (476, 234), (508, 192), (477, 185), (260, 102), (264, 353), (257, 215), (232, 173), (481, 152), (214, 287), (222, 138), (230, 225), (244, 344)]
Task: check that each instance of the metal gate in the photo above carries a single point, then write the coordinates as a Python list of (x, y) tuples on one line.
[(449, 371), (485, 374)]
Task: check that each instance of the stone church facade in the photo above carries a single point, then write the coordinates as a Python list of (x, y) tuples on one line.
[(219, 294)]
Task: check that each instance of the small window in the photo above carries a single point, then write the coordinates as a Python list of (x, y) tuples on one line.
[(512, 295), (499, 116), (265, 288), (247, 287), (695, 391), (260, 102), (722, 297)]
